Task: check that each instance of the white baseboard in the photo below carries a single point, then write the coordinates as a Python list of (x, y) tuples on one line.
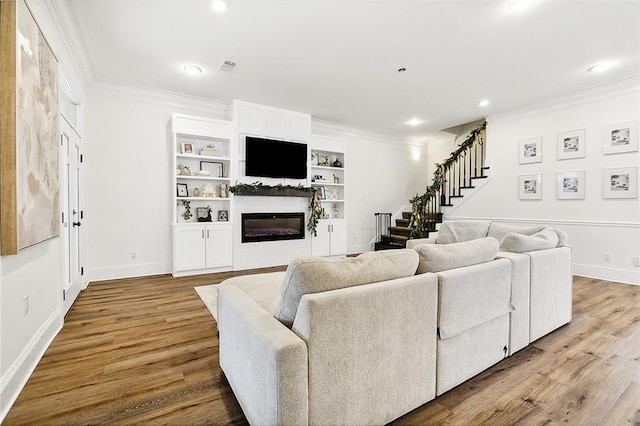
[(608, 274), (128, 271), (17, 375)]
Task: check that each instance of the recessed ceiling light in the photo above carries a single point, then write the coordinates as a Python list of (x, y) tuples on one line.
[(519, 4), (219, 5), (192, 69), (414, 122), (484, 103), (601, 67)]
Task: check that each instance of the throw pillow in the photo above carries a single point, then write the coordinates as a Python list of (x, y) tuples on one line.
[(464, 230), (313, 274), (563, 237), (519, 243), (499, 230), (441, 257)]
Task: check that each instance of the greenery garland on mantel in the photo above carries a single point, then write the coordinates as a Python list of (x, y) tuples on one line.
[(419, 202), (280, 190)]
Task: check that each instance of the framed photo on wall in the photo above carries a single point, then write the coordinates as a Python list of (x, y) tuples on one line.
[(530, 187), (571, 144), (530, 150), (620, 137), (570, 185), (621, 182)]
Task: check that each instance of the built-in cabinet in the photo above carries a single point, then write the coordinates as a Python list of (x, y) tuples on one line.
[(327, 173), (201, 204), (331, 238), (269, 122)]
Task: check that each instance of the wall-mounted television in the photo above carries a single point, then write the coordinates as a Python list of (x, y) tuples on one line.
[(274, 158)]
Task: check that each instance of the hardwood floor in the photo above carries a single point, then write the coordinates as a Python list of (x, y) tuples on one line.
[(145, 351)]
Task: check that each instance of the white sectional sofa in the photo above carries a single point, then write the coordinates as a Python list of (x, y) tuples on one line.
[(366, 339)]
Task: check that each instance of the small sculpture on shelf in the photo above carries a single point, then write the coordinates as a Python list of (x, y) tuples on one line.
[(204, 214), (196, 192), (184, 170), (337, 163), (209, 150), (223, 190), (208, 191), (336, 179)]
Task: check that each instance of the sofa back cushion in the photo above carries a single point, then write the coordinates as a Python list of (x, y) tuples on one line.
[(519, 243), (313, 274), (441, 257), (464, 230), (499, 230)]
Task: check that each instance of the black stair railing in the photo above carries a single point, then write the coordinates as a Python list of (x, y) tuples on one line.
[(455, 173)]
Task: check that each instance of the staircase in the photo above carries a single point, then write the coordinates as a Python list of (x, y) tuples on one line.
[(452, 177)]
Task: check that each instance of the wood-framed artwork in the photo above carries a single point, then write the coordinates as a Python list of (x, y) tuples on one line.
[(29, 132), (620, 182), (572, 144), (530, 150), (530, 187), (570, 185), (620, 137), (187, 148), (182, 190)]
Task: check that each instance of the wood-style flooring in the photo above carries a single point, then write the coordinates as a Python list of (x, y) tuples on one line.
[(145, 351)]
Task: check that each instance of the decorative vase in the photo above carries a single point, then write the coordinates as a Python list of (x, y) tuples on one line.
[(337, 163)]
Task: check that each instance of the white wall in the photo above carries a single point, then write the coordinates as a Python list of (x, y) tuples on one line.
[(35, 272), (128, 179), (595, 225)]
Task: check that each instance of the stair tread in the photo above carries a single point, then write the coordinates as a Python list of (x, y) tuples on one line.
[(467, 187), (456, 196), (399, 237), (399, 228), (479, 177)]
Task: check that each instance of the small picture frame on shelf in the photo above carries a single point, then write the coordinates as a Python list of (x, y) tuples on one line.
[(530, 187), (182, 190), (215, 168), (530, 150), (620, 137), (223, 215), (620, 182), (570, 185), (572, 144), (187, 148), (203, 214)]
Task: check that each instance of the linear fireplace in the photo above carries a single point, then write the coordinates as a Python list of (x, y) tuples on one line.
[(272, 227)]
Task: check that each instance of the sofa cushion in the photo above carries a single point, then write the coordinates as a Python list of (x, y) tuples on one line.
[(499, 230), (440, 257), (464, 230), (313, 274), (519, 243)]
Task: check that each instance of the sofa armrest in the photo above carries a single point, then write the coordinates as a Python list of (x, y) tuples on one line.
[(520, 299), (264, 362), (415, 241)]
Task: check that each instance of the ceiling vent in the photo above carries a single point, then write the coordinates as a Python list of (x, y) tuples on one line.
[(227, 65)]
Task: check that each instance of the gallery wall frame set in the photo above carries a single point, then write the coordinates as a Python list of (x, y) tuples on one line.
[(530, 150), (530, 187), (571, 144), (620, 182), (29, 132), (570, 185), (620, 137)]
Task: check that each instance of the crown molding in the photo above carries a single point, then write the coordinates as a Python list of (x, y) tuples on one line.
[(621, 87), (212, 108), (331, 129)]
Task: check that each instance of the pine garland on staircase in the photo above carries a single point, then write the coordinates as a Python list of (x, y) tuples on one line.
[(419, 203)]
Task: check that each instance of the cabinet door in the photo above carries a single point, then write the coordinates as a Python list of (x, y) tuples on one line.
[(338, 237), (320, 243), (219, 246), (189, 243)]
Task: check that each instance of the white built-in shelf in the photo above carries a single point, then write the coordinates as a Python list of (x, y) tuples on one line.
[(202, 199), (202, 178), (327, 183), (202, 157), (327, 168), (331, 201)]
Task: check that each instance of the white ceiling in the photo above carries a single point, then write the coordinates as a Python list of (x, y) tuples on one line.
[(338, 59)]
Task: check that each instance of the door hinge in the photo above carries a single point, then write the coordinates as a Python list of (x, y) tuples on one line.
[(82, 271)]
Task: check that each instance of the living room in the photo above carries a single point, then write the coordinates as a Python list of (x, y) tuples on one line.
[(126, 179)]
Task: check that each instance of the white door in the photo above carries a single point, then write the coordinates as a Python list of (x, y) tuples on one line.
[(71, 215), (338, 237), (320, 243), (219, 246), (189, 246)]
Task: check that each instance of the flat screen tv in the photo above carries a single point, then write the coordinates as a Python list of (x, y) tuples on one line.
[(274, 158)]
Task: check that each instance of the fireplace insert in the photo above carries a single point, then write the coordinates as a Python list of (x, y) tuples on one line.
[(272, 227)]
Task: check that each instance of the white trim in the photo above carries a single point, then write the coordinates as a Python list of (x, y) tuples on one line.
[(326, 128), (211, 108), (607, 274), (19, 372), (581, 97), (553, 221), (128, 271)]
